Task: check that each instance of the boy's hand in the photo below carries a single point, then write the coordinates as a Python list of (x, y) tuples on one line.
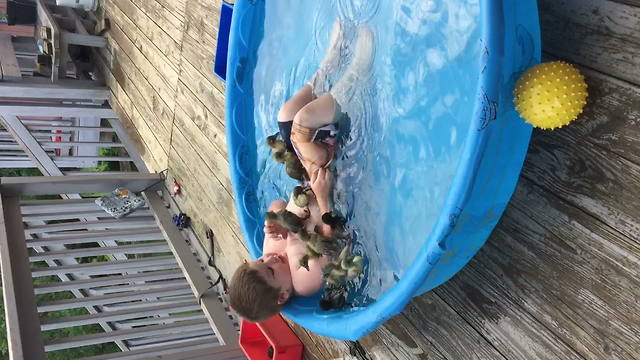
[(275, 231), (321, 182)]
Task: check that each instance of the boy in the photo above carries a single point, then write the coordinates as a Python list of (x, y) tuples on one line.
[(259, 289)]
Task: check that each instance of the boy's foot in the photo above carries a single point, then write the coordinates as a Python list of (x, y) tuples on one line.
[(332, 58), (359, 70)]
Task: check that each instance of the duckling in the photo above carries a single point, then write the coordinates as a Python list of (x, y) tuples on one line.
[(344, 268), (278, 156), (287, 219), (319, 243), (316, 246), (293, 166), (336, 221), (334, 297), (300, 197), (276, 144)]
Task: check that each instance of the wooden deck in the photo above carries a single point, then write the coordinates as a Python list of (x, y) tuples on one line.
[(559, 278)]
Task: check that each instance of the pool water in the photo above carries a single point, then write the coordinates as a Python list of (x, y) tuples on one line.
[(407, 125)]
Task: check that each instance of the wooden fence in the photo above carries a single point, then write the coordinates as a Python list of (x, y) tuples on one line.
[(136, 276)]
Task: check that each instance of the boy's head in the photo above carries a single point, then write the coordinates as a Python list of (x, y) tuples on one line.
[(260, 288)]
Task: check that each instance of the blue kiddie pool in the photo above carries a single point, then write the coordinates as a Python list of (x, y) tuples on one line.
[(433, 149)]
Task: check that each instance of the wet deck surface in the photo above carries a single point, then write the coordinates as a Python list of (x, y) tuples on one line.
[(559, 277)]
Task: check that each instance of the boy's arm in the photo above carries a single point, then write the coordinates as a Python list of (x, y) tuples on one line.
[(307, 283), (321, 184)]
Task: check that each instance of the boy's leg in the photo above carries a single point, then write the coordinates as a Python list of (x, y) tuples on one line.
[(316, 114), (289, 110), (358, 71), (322, 111), (320, 79)]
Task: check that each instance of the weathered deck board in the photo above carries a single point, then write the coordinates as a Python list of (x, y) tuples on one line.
[(600, 34), (168, 46), (596, 289), (449, 333), (161, 79), (141, 40), (215, 159), (207, 122), (127, 112), (510, 329), (196, 201), (589, 177), (154, 135), (611, 118), (164, 18), (400, 339), (559, 276)]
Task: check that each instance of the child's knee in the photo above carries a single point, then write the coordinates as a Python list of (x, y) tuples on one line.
[(305, 117)]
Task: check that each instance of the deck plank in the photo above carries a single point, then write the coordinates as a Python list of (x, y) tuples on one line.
[(215, 160), (223, 200), (611, 117), (559, 275), (209, 123), (200, 53), (449, 333), (139, 48), (211, 97), (197, 201), (132, 101), (165, 19), (176, 7), (156, 35), (600, 34), (551, 250), (511, 330), (147, 75), (127, 111), (399, 339), (202, 19), (588, 177)]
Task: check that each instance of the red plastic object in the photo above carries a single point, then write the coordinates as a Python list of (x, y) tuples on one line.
[(58, 151), (274, 333), (175, 190)]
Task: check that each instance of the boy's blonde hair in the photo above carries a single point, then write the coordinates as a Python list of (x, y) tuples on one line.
[(250, 295)]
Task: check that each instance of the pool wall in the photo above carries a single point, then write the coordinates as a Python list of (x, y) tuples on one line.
[(494, 151)]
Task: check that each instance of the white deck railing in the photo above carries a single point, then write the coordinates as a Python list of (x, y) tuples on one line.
[(142, 289)]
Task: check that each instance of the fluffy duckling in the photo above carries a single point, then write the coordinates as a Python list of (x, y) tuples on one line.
[(345, 268), (300, 196), (317, 245), (286, 219), (336, 221), (280, 154), (276, 144), (334, 297), (293, 166)]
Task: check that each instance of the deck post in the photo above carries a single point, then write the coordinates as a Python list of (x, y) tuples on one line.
[(23, 325)]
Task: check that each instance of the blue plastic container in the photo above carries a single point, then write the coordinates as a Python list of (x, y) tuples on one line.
[(490, 164), (220, 61)]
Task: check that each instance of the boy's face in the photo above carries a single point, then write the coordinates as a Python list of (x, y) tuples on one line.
[(274, 268)]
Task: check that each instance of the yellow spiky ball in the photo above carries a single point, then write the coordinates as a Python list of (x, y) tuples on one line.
[(550, 95)]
